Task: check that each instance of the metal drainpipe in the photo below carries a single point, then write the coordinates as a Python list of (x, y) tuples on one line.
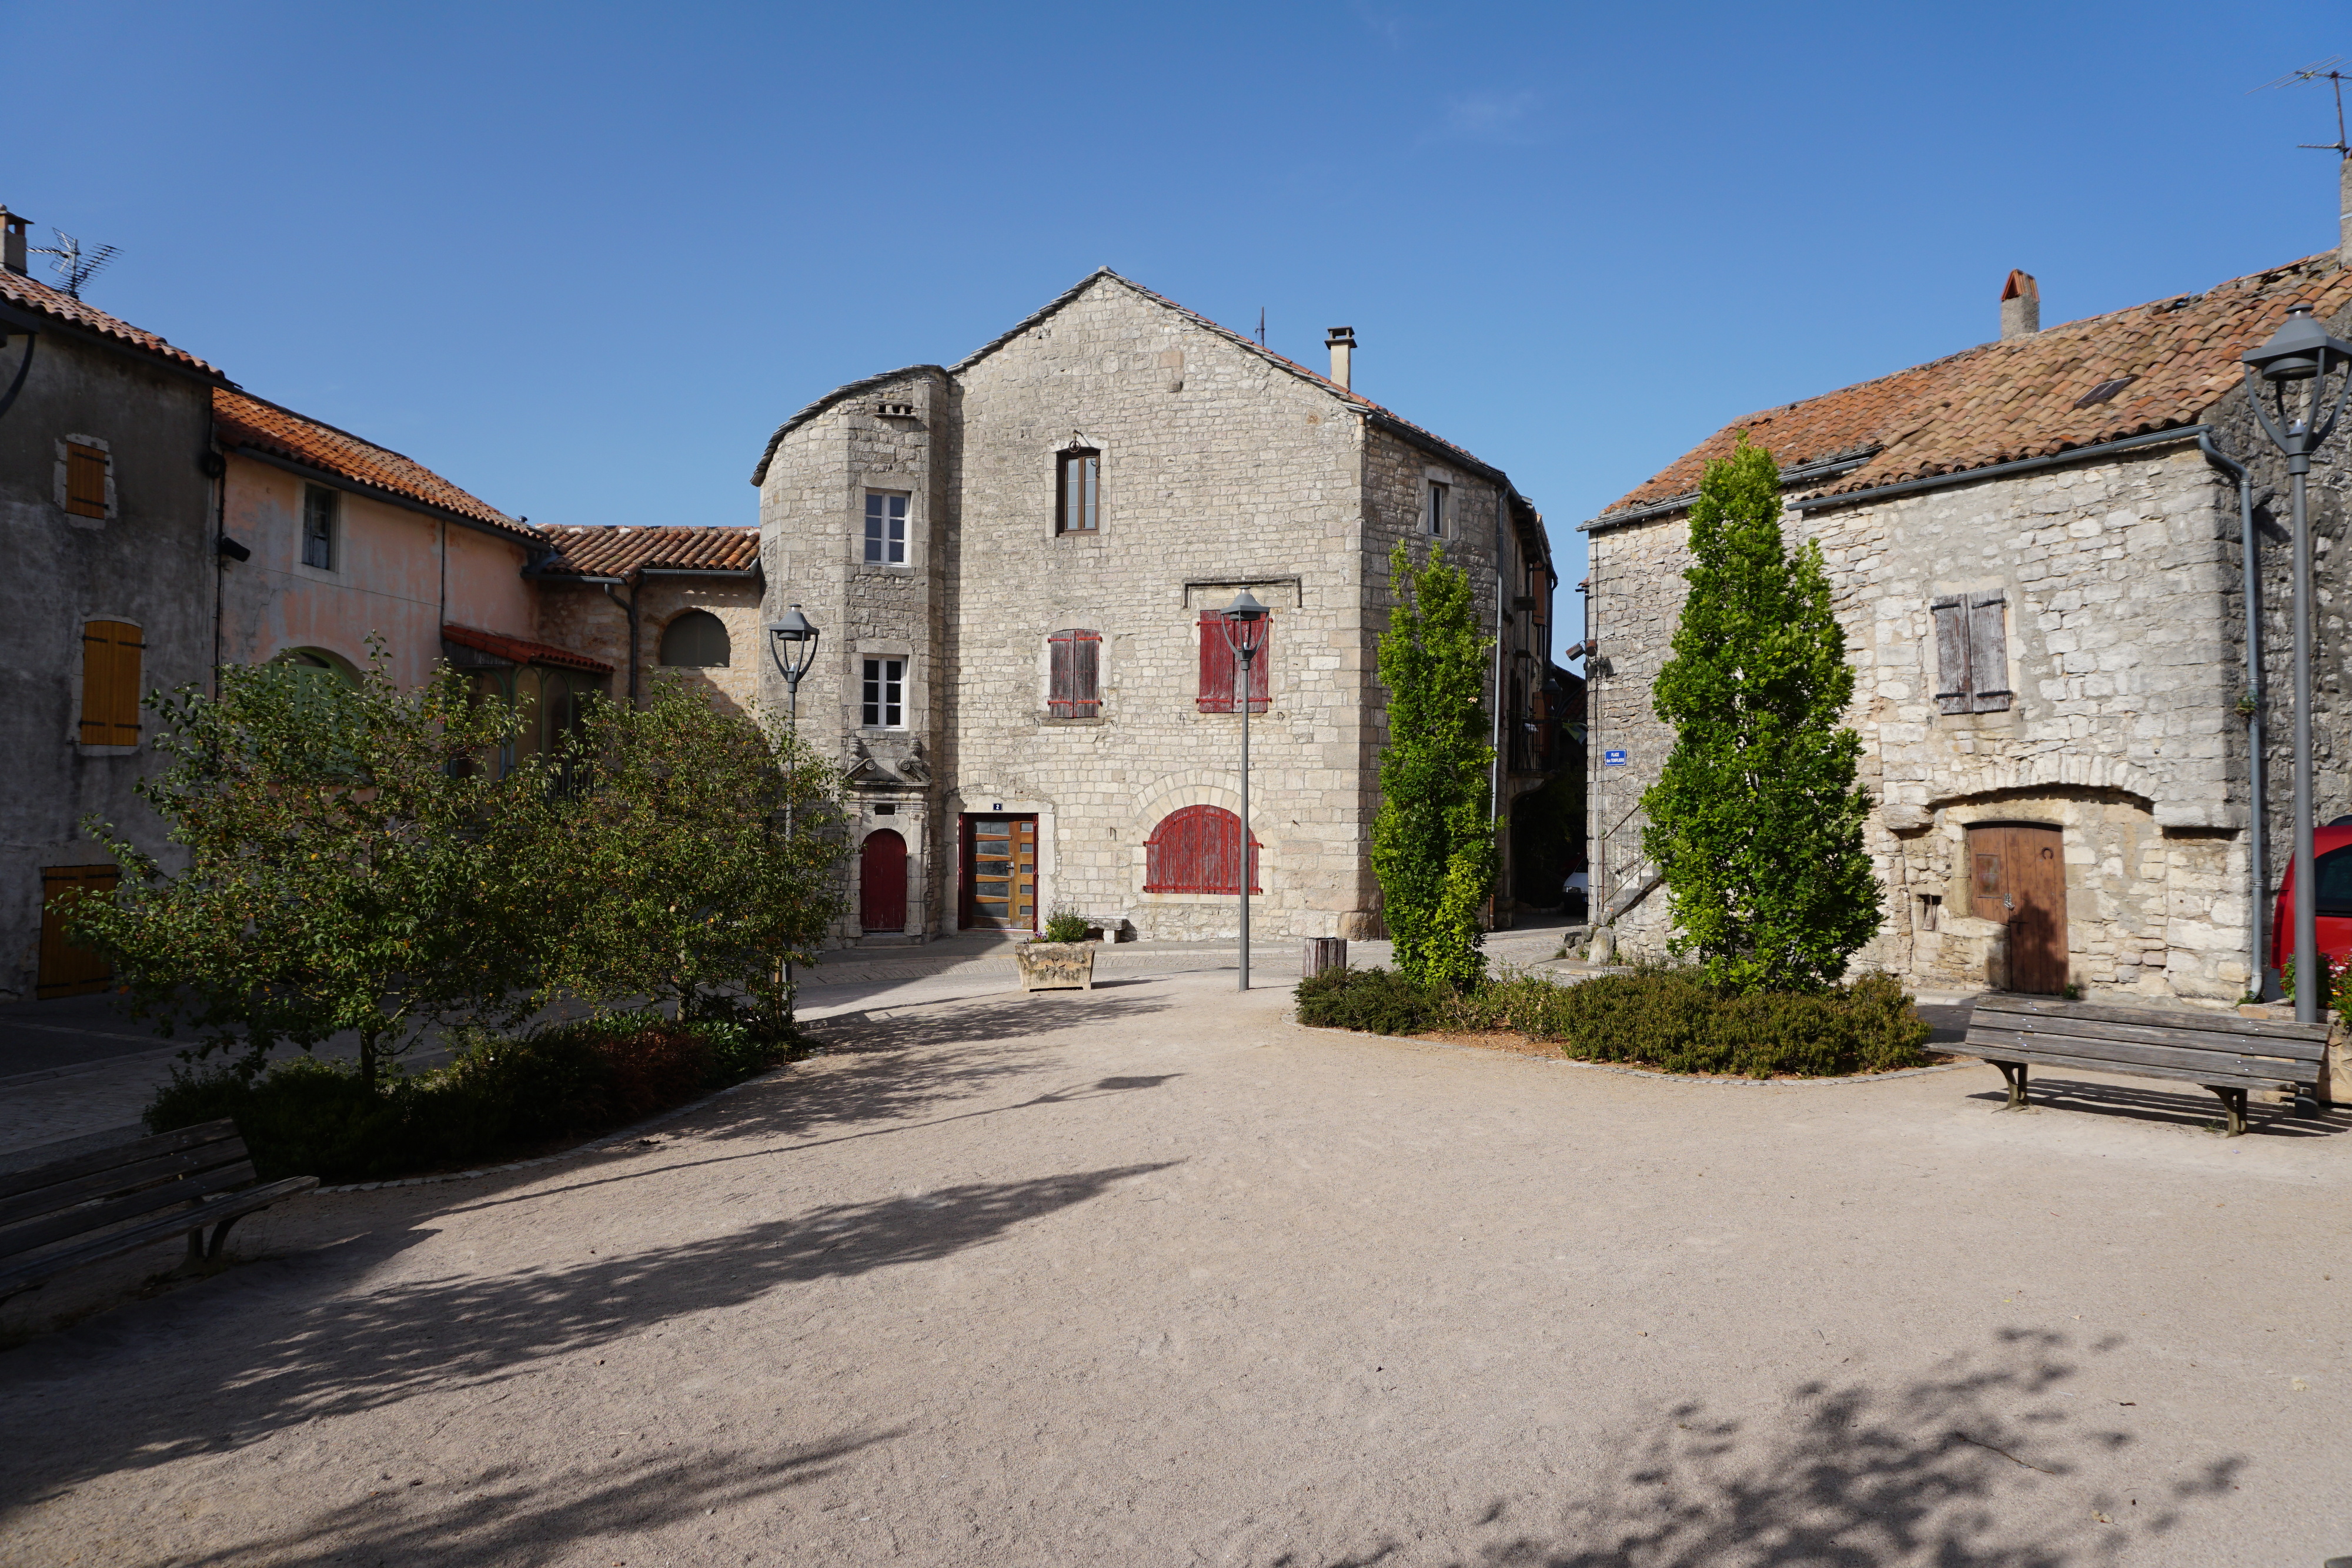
[(2257, 771)]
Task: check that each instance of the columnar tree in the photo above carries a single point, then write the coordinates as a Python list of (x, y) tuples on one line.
[(1433, 840), (1756, 821)]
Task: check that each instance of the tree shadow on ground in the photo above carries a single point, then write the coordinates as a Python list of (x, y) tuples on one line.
[(220, 1372), (507, 1517), (1984, 1462), (2186, 1107)]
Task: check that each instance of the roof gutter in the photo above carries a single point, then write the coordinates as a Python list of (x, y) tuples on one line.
[(389, 498), (2002, 470), (1794, 476)]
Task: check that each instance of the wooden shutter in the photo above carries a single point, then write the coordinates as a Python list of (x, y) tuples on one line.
[(1198, 849), (109, 683), (66, 969), (1952, 690), (85, 480), (1988, 652), (1216, 664), (1077, 666)]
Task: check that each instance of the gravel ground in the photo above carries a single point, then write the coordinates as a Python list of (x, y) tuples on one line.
[(1151, 1275)]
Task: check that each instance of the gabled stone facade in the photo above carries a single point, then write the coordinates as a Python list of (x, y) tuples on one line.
[(1221, 467)]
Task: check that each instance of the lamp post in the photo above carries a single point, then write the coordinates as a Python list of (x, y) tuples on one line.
[(2301, 350), (1244, 628), (792, 643)]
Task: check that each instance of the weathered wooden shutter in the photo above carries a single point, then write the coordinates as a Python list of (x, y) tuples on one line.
[(1086, 673), (85, 480), (1061, 675), (109, 683), (1198, 849), (1988, 652), (1261, 676), (1216, 664), (1952, 691)]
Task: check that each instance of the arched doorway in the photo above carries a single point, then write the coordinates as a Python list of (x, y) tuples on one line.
[(882, 882)]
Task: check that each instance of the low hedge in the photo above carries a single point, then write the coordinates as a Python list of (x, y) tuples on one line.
[(309, 1116), (1663, 1017)]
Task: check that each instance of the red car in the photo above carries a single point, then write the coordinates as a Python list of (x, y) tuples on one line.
[(2331, 854)]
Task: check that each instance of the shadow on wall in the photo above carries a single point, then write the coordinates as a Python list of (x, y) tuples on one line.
[(1984, 1462)]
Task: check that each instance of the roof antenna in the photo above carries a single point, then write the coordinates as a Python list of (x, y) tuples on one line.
[(1260, 326), (72, 267), (2324, 71)]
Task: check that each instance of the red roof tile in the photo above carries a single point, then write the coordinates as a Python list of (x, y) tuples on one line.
[(522, 651), (2005, 400), (21, 290), (241, 419), (619, 551)]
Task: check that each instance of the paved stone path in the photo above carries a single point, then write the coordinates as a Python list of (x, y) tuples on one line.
[(1151, 1275)]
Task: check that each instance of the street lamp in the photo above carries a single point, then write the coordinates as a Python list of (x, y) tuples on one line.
[(2301, 350), (1244, 628), (792, 643)]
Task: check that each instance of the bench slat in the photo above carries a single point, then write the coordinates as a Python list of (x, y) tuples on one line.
[(2287, 1049), (2131, 1070), (124, 1178), (15, 1182), (76, 1221), (2153, 1017), (2101, 1048), (34, 1271)]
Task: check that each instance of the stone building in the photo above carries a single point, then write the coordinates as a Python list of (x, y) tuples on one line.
[(2037, 569), (680, 602), (1017, 564)]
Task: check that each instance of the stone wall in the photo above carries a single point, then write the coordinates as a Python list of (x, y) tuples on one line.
[(579, 617)]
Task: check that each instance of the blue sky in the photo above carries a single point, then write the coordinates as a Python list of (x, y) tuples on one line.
[(582, 259)]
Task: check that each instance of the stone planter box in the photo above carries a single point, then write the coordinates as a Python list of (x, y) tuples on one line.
[(1055, 965)]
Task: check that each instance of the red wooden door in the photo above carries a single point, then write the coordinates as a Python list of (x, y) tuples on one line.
[(2017, 875), (882, 882)]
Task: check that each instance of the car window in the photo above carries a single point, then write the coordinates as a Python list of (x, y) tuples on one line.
[(2335, 882)]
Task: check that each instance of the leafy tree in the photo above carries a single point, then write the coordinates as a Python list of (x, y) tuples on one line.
[(343, 852), (1433, 840), (1756, 819), (672, 861)]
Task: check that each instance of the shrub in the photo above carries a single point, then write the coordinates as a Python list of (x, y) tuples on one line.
[(1065, 925), (1372, 1000)]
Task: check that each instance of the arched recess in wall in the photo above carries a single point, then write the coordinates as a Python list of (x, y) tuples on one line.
[(323, 662), (696, 640), (1198, 849)]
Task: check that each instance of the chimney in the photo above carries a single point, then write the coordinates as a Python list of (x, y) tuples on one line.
[(12, 247), (2021, 306), (1341, 341)]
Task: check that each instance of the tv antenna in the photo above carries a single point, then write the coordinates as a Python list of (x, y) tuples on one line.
[(2324, 71), (73, 266)]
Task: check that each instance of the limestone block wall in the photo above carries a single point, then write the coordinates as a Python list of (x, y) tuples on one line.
[(2118, 586), (581, 618)]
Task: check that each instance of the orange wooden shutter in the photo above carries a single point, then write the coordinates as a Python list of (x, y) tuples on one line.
[(109, 683), (85, 480)]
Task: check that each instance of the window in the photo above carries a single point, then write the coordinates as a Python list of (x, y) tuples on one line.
[(1074, 685), (1079, 476), (1219, 663), (885, 529), (1971, 653), (1198, 849), (1435, 520), (319, 510), (696, 640), (86, 474), (109, 683), (885, 694)]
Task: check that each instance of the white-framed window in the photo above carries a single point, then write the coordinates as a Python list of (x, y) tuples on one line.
[(886, 529), (1433, 515), (885, 695), (321, 513)]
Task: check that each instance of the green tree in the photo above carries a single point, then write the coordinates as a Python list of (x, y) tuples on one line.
[(1433, 840), (680, 879), (342, 849), (1756, 819)]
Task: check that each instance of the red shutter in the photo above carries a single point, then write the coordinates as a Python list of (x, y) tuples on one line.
[(1216, 664), (1058, 693), (1262, 667), (1086, 673), (1198, 849)]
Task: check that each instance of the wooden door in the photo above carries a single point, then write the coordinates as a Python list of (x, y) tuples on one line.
[(68, 970), (882, 882), (2017, 875), (999, 873)]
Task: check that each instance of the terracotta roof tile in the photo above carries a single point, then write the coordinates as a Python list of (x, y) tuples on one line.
[(241, 419), (618, 552), (2002, 402), (21, 290), (521, 651)]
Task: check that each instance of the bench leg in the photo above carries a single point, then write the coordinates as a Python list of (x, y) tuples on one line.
[(2014, 1074), (220, 1234), (2233, 1104), (195, 1247)]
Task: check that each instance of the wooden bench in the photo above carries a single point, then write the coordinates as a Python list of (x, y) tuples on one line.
[(2226, 1053), (91, 1207)]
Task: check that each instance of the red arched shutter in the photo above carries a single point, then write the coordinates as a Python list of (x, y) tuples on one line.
[(1198, 849)]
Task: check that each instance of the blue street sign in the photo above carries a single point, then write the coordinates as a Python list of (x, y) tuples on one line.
[(1612, 759)]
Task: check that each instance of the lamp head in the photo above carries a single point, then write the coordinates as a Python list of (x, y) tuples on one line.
[(792, 643), (1246, 623), (2300, 350)]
